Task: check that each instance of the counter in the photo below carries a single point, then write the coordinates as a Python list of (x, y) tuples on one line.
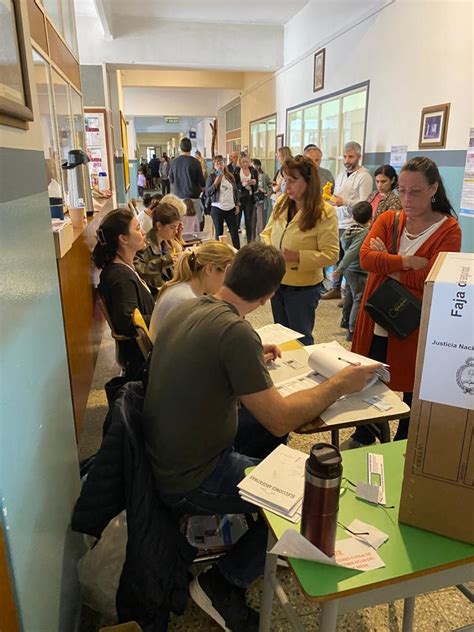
[(83, 320)]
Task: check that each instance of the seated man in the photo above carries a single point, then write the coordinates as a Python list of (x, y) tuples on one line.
[(209, 358)]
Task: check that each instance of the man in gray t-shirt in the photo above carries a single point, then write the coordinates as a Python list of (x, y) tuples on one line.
[(315, 155), (206, 358)]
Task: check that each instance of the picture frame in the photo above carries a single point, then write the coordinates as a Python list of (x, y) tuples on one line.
[(319, 69), (126, 166), (434, 126), (279, 141), (16, 108)]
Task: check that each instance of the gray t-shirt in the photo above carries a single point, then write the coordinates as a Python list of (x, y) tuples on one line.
[(172, 297), (205, 358)]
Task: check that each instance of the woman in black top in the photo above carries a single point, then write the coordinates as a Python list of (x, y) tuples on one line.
[(119, 238)]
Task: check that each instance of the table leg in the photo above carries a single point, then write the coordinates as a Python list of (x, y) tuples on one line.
[(328, 620), (269, 576), (408, 614), (335, 437)]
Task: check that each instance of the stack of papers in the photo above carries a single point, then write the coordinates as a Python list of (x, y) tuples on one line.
[(277, 483), (277, 334)]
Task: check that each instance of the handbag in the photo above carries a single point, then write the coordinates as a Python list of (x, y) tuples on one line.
[(391, 305)]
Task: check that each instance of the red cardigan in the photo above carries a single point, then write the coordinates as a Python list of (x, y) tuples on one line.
[(401, 354)]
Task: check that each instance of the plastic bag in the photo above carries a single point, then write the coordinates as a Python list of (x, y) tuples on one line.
[(100, 568)]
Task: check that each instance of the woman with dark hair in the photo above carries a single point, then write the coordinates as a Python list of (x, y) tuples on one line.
[(155, 262), (262, 198), (164, 174), (223, 199), (426, 227), (119, 237), (247, 184), (385, 198), (145, 216), (304, 228)]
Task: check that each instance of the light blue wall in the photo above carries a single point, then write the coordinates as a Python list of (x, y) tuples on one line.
[(133, 191), (39, 479)]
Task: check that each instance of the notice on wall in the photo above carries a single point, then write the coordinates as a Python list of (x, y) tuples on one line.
[(448, 368), (398, 156), (467, 196)]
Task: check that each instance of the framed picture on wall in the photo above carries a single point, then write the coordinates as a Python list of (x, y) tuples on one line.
[(126, 166), (318, 73), (434, 126), (15, 96), (279, 141)]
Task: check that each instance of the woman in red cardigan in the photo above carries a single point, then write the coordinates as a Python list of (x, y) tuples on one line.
[(426, 227)]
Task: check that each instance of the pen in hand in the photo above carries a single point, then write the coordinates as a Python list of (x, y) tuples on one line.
[(349, 362)]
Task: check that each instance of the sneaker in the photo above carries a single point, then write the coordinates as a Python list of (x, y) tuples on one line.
[(223, 602), (349, 336), (344, 324), (333, 293), (350, 444)]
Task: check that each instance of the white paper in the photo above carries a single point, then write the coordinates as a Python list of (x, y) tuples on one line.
[(277, 334), (467, 196), (376, 474), (398, 155), (368, 492), (375, 537), (350, 553), (448, 367)]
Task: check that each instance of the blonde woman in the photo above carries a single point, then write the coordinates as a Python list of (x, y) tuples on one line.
[(278, 185), (197, 272), (179, 204)]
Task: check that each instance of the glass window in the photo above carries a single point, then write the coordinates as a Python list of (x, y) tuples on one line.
[(295, 128), (63, 120), (53, 10), (262, 143), (77, 120), (50, 145), (69, 26), (311, 126), (353, 108)]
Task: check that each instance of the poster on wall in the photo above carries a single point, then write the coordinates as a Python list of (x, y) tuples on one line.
[(398, 156), (467, 196)]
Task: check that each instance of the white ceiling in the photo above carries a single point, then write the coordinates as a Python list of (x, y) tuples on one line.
[(271, 12)]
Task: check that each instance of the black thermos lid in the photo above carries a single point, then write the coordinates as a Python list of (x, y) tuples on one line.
[(325, 461), (75, 157)]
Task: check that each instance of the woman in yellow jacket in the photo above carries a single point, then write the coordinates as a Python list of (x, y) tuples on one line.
[(304, 228)]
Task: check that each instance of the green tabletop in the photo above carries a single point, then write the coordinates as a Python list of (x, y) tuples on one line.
[(408, 551)]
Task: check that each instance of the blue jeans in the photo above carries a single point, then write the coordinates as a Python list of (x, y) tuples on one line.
[(294, 306), (218, 494), (218, 217), (355, 286)]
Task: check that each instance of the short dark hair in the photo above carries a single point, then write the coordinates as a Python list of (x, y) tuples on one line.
[(362, 212), (389, 171), (311, 146), (165, 214), (185, 144), (256, 271)]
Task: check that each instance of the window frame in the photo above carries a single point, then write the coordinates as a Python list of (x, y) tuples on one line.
[(264, 159)]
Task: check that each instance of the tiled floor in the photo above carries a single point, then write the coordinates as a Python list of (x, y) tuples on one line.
[(441, 611)]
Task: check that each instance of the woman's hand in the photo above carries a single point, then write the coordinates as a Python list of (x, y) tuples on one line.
[(291, 256), (336, 275), (414, 263), (271, 353), (237, 210), (252, 181), (378, 245)]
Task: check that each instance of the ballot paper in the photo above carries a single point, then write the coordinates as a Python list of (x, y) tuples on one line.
[(366, 533), (277, 334), (277, 483), (349, 553)]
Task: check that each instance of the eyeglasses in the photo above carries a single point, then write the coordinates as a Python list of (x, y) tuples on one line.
[(411, 192)]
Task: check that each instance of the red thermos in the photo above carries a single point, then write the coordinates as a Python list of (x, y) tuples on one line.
[(323, 473)]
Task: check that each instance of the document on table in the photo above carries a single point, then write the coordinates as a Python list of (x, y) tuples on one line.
[(349, 553), (277, 334), (366, 533)]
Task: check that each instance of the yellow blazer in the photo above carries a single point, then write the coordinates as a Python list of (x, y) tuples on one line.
[(318, 247)]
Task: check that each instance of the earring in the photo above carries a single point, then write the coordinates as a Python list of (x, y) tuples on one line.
[(433, 199)]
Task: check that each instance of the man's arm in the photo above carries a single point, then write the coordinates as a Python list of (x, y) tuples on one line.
[(280, 415)]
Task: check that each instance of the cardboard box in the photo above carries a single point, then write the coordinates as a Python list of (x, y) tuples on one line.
[(438, 485), (63, 236)]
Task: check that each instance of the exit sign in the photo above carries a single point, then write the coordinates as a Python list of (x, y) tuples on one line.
[(171, 119)]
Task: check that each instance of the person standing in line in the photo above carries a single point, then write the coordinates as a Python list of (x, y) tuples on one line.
[(248, 178), (313, 152), (190, 219), (221, 191), (186, 178), (164, 174), (262, 198), (385, 197), (141, 182), (202, 162), (233, 165), (353, 185), (154, 165), (279, 184)]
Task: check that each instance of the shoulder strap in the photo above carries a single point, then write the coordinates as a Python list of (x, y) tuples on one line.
[(395, 233)]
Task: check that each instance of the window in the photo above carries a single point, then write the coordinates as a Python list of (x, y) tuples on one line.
[(329, 123), (232, 118), (262, 143)]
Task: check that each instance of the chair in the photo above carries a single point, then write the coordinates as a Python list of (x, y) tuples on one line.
[(143, 339), (117, 337)]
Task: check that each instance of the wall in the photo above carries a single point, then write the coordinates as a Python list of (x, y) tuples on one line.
[(401, 82), (39, 478), (171, 101)]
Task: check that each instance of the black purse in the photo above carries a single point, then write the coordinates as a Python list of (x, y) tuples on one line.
[(391, 305)]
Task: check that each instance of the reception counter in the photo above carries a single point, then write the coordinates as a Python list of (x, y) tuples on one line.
[(83, 320)]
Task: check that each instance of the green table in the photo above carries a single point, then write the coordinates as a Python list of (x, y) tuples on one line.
[(416, 561)]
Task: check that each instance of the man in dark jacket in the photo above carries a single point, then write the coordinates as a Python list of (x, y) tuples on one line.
[(154, 165), (186, 178)]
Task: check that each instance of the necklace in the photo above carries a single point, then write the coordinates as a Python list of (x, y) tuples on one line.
[(415, 235)]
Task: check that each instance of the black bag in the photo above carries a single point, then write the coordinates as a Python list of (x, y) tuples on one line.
[(391, 305)]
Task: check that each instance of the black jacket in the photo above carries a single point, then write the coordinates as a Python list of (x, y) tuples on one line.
[(154, 578), (212, 192), (243, 191)]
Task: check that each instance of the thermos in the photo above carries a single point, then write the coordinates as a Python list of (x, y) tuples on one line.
[(323, 473)]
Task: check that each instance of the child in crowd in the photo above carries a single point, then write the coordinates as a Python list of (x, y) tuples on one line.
[(190, 218), (141, 182), (350, 268), (146, 214)]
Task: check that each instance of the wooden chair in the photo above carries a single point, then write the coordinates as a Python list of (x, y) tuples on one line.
[(117, 337), (143, 339)]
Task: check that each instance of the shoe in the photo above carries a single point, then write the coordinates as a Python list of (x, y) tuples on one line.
[(350, 444), (333, 293), (341, 303), (344, 324), (349, 336), (223, 602)]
